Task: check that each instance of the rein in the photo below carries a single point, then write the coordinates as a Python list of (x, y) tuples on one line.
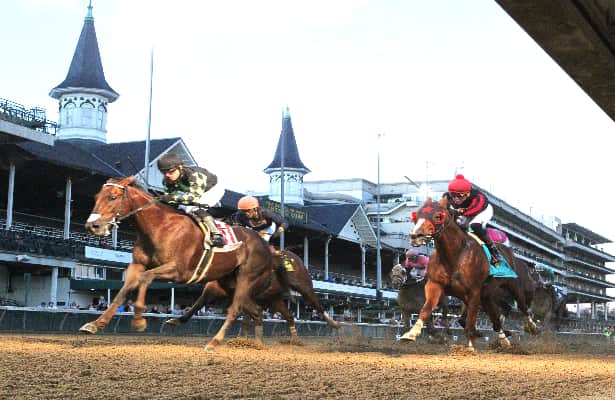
[(119, 218)]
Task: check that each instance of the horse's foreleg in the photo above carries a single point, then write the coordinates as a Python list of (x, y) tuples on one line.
[(166, 271), (472, 304), (433, 293), (133, 273)]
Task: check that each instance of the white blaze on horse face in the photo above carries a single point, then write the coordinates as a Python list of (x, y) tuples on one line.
[(93, 217), (418, 225)]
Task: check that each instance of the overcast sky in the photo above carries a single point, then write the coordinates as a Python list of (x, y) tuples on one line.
[(449, 83)]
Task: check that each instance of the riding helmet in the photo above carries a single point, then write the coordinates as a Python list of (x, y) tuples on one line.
[(459, 184), (247, 203), (169, 161)]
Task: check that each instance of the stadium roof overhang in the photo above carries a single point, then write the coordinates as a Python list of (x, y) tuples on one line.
[(579, 36)]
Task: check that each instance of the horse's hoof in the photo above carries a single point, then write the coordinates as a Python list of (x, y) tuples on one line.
[(139, 325), (172, 322), (504, 342), (408, 336), (211, 346), (89, 328)]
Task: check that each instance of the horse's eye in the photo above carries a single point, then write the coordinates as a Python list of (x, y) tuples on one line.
[(439, 217), (112, 197)]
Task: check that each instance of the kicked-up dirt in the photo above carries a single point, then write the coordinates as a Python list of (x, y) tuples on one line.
[(166, 367)]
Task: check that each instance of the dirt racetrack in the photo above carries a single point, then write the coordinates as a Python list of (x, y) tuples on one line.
[(166, 367)]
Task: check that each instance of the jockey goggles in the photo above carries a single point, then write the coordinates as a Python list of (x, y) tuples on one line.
[(460, 195)]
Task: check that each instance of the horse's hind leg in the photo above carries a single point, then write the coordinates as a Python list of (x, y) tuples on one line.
[(488, 302), (310, 297), (279, 306), (211, 291), (241, 303)]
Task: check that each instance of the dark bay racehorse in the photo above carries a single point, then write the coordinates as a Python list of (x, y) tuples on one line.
[(411, 296), (548, 307), (460, 268), (169, 247), (289, 273)]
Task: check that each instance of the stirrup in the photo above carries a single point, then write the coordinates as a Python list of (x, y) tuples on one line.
[(495, 261)]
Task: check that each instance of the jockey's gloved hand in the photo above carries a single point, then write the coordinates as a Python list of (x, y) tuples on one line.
[(462, 221), (280, 229), (165, 198)]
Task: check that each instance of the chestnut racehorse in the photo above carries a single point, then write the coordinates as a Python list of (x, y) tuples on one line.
[(295, 277), (460, 268), (170, 247)]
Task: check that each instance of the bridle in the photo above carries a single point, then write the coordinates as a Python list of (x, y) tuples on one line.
[(439, 228), (119, 218)]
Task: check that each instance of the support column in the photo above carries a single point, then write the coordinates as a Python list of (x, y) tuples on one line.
[(593, 310), (53, 296), (306, 252), (578, 309), (606, 311), (327, 257), (359, 315), (68, 194), (363, 250), (10, 197), (172, 299)]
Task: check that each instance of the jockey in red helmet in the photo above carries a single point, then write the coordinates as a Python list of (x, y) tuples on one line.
[(471, 208)]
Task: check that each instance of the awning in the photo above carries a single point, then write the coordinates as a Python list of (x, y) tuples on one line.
[(99, 284)]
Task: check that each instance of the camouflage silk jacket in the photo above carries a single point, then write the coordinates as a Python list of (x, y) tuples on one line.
[(191, 185)]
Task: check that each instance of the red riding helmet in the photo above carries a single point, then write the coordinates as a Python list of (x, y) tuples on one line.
[(459, 185)]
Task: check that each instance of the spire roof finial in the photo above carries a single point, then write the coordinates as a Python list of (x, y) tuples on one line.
[(291, 152), (89, 15), (86, 71)]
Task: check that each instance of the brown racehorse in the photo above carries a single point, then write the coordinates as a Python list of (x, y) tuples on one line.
[(458, 267), (411, 296), (296, 277), (169, 247)]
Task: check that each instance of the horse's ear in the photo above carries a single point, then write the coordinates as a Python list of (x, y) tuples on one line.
[(127, 181), (444, 202), (428, 201)]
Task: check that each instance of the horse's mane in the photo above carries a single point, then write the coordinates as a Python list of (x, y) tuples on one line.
[(132, 182)]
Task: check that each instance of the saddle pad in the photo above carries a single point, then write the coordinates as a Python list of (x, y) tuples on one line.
[(503, 270), (227, 231)]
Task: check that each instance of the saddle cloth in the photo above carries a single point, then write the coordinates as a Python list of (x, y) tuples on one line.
[(503, 270), (227, 232)]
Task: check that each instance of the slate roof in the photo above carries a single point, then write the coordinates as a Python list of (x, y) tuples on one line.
[(331, 216), (86, 70), (291, 152), (109, 160)]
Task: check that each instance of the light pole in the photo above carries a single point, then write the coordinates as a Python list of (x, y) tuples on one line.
[(378, 257)]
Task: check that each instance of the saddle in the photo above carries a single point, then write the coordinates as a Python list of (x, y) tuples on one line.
[(207, 257), (503, 270)]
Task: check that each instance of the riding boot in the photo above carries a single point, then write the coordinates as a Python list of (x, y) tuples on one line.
[(214, 233), (216, 237), (495, 253)]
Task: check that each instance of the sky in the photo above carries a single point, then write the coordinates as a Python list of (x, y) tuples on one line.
[(450, 85)]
